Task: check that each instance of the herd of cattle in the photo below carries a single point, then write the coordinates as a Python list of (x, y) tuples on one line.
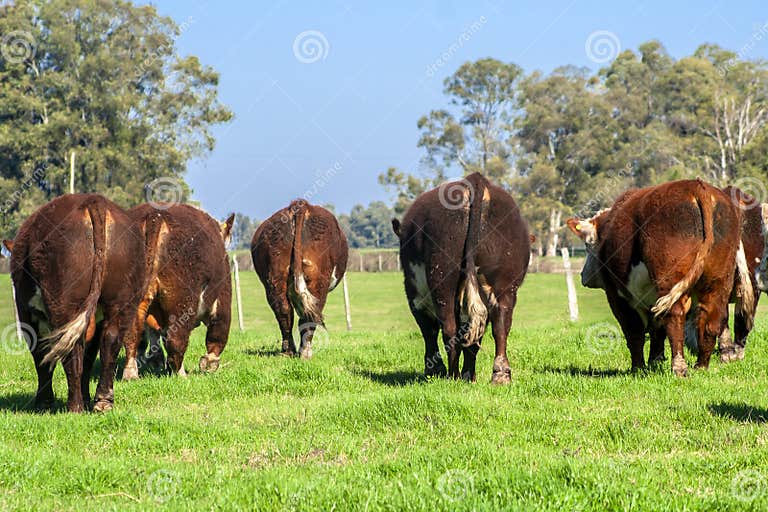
[(90, 277)]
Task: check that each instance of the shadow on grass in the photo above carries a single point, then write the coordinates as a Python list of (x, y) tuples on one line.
[(264, 352), (395, 379), (741, 413), (575, 371), (25, 402)]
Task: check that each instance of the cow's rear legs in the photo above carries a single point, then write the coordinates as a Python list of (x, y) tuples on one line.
[(109, 347), (675, 327), (470, 358), (44, 398), (433, 361), (501, 321), (656, 355), (710, 323), (283, 310)]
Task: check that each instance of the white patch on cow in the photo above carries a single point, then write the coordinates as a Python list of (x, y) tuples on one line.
[(334, 280), (214, 307), (201, 305), (487, 291), (423, 300), (641, 292)]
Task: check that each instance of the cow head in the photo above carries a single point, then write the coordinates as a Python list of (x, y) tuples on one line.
[(587, 231), (761, 273), (396, 227), (226, 229)]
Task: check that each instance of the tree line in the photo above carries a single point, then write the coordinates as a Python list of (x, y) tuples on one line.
[(99, 88)]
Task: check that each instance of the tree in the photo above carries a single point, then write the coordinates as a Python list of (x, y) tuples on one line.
[(242, 231), (369, 226), (102, 81)]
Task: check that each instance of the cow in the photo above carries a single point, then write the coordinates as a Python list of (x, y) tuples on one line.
[(662, 252), (300, 255), (77, 258), (464, 251), (187, 283)]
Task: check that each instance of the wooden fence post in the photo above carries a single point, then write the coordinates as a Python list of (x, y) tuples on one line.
[(347, 311), (573, 305), (361, 260), (380, 266), (236, 268)]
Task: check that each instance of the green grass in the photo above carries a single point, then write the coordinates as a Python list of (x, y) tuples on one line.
[(357, 428)]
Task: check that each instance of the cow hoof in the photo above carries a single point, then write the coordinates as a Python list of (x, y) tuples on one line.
[(731, 354), (306, 353), (502, 377), (131, 372), (102, 406), (468, 377), (209, 363)]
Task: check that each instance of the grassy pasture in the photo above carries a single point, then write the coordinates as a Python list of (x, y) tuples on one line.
[(357, 428)]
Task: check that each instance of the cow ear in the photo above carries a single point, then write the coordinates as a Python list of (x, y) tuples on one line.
[(7, 247), (532, 238), (574, 225), (226, 228), (396, 227)]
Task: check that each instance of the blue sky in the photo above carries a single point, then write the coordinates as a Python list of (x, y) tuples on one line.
[(328, 128)]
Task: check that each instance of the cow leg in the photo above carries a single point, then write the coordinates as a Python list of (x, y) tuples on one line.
[(675, 326), (658, 336), (109, 347), (470, 358), (132, 343), (89, 357), (633, 328), (728, 351), (501, 322), (44, 397), (73, 367), (433, 361), (306, 332), (283, 310)]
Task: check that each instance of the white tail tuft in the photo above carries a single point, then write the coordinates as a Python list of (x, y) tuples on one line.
[(309, 303), (476, 311), (745, 294), (63, 340)]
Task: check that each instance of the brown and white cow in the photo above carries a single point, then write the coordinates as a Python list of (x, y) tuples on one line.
[(464, 250), (78, 256), (300, 254), (662, 251), (188, 283)]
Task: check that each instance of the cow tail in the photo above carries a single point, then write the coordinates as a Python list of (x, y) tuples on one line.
[(745, 293), (472, 302), (63, 340), (308, 303), (665, 303)]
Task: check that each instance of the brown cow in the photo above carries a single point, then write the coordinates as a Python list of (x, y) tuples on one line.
[(660, 252), (188, 282), (464, 250), (300, 254), (78, 256)]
